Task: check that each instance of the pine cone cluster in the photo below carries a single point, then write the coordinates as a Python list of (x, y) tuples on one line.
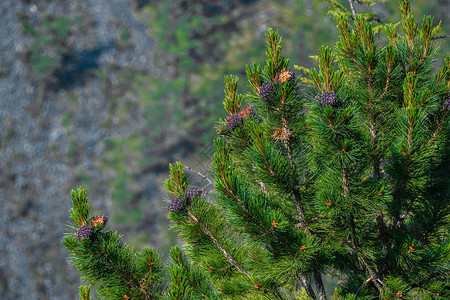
[(286, 75), (99, 220), (447, 104), (328, 99), (191, 194), (176, 204), (179, 204), (84, 232), (266, 90), (248, 111), (234, 121)]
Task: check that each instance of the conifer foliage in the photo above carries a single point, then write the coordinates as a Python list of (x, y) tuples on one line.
[(342, 173)]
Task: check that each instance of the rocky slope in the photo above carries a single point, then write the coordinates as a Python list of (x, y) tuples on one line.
[(36, 172)]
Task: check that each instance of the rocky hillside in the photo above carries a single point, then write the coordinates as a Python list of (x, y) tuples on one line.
[(55, 97)]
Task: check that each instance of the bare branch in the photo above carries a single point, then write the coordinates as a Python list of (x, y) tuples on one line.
[(440, 37), (352, 8), (199, 174), (307, 285)]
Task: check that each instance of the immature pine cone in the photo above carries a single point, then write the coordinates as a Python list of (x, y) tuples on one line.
[(328, 99), (286, 75), (266, 90), (177, 204), (191, 194), (84, 231), (99, 220), (234, 121)]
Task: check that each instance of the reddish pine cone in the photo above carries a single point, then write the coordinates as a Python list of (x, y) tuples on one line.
[(177, 204), (286, 75), (249, 110), (447, 104), (84, 231), (266, 91), (234, 121), (191, 194), (99, 220), (328, 99)]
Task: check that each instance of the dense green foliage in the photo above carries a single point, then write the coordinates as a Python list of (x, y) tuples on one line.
[(345, 174)]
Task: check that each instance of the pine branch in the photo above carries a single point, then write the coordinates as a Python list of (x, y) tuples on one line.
[(258, 142), (362, 285), (229, 188), (438, 128), (229, 258), (229, 192), (354, 239), (302, 278), (373, 273), (188, 281), (298, 200), (355, 244), (286, 142)]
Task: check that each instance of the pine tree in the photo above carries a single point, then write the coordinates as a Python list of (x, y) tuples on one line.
[(343, 173)]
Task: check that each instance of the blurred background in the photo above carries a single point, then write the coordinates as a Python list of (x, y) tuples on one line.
[(104, 94)]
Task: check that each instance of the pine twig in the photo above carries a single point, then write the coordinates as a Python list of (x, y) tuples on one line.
[(307, 285), (319, 285), (374, 280), (345, 182), (352, 8), (199, 174), (385, 286), (315, 219), (440, 37), (438, 129), (228, 256), (364, 283)]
